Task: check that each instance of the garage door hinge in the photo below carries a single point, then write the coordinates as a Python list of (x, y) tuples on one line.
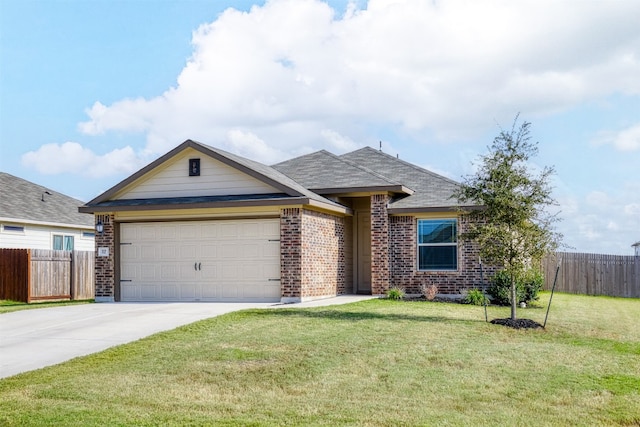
[(126, 280), (274, 280), (126, 243), (274, 240)]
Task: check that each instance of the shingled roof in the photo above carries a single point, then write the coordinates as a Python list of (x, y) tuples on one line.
[(326, 173), (367, 169), (431, 191), (24, 201)]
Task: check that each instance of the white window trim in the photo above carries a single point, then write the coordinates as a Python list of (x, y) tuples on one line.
[(63, 235), (418, 245)]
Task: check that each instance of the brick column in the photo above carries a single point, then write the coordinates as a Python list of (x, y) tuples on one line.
[(291, 255), (379, 244), (105, 265)]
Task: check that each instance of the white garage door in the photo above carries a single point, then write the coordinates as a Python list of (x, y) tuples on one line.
[(234, 260)]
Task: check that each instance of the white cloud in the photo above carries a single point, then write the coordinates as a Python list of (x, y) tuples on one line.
[(338, 142), (71, 157), (624, 140), (413, 65), (602, 222)]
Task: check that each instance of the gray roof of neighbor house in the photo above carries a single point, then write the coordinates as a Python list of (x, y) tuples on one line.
[(24, 201), (371, 169), (291, 191)]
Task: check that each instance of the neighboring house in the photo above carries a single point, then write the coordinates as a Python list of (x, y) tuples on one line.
[(34, 217), (636, 247), (202, 224)]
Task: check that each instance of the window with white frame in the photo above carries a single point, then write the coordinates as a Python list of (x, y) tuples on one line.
[(13, 228), (62, 243), (437, 244)]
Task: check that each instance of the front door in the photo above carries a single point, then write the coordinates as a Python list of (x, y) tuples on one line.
[(363, 253)]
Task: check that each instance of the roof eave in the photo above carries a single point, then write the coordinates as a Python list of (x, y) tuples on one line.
[(345, 191), (45, 223), (427, 209), (294, 201)]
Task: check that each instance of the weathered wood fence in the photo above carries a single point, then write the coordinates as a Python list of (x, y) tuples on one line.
[(594, 274), (29, 275)]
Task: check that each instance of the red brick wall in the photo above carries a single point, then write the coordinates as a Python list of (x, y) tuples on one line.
[(323, 256), (291, 252), (403, 260), (379, 244), (312, 254), (105, 266)]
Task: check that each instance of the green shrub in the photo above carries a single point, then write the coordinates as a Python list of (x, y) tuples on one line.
[(528, 286), (395, 293), (532, 283), (474, 297)]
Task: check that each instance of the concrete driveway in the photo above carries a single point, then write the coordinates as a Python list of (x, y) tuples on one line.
[(33, 339)]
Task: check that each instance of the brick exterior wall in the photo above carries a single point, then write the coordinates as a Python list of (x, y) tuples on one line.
[(105, 266), (404, 260), (291, 253), (312, 253), (379, 244)]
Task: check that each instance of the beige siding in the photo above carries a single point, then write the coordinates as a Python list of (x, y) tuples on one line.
[(41, 237), (172, 180)]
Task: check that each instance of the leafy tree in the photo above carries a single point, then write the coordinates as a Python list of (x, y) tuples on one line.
[(512, 225)]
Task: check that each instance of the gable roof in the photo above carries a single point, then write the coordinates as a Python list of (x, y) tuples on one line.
[(291, 192), (27, 202), (432, 192), (326, 173)]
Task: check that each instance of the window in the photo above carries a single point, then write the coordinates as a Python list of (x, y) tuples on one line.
[(62, 243), (437, 244), (88, 234), (14, 228)]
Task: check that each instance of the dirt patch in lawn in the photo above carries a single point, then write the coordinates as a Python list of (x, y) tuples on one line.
[(517, 323)]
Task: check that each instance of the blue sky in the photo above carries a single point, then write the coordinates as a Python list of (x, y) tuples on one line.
[(92, 91)]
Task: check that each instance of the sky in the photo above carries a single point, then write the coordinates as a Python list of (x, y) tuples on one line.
[(91, 91)]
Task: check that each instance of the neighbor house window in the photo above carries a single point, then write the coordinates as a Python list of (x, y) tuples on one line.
[(62, 243), (437, 244)]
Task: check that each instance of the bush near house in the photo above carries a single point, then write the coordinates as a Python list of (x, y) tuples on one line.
[(528, 286)]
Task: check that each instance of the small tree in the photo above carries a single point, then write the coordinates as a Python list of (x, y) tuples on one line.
[(511, 224)]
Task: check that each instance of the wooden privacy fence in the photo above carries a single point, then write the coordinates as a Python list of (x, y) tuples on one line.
[(594, 274), (35, 274)]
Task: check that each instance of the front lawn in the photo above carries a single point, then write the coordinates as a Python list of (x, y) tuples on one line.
[(8, 306), (372, 363)]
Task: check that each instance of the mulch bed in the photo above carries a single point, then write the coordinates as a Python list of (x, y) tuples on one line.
[(517, 323)]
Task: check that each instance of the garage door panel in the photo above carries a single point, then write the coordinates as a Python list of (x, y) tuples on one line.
[(201, 261), (148, 232), (229, 230), (169, 272), (149, 272), (210, 291), (129, 291), (209, 272), (208, 251), (149, 252), (149, 291), (188, 252), (169, 292)]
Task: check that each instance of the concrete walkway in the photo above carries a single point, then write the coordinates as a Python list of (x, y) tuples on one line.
[(33, 339)]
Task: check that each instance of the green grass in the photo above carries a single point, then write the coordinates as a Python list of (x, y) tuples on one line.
[(373, 363), (7, 306)]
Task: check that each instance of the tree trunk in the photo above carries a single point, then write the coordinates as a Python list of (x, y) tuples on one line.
[(514, 299)]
